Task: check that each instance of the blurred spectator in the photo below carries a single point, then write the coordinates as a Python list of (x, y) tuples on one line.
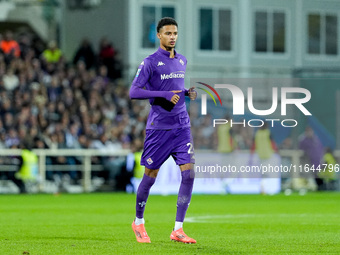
[(313, 152), (2, 140), (101, 80), (37, 46), (25, 46), (265, 148), (9, 47), (263, 144), (107, 56), (327, 177), (112, 165), (85, 53), (52, 54), (133, 163), (226, 143), (54, 90), (71, 137), (11, 81), (133, 166), (12, 139), (312, 147), (28, 167)]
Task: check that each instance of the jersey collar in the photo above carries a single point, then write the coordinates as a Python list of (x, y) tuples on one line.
[(166, 53)]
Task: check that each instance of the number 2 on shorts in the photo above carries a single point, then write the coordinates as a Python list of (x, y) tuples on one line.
[(190, 148)]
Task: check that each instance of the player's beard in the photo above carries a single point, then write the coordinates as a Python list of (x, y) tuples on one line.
[(169, 47)]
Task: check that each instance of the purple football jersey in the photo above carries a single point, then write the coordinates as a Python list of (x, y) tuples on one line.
[(159, 72)]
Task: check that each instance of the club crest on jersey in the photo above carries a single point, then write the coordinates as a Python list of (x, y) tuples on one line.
[(160, 63), (149, 160), (182, 62)]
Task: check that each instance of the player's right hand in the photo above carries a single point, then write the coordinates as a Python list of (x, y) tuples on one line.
[(175, 98)]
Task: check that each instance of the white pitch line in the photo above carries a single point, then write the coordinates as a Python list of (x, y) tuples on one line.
[(238, 217)]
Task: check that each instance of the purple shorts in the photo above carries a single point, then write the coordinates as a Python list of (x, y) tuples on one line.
[(160, 144)]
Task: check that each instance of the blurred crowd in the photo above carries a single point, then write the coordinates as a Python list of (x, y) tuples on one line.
[(46, 102)]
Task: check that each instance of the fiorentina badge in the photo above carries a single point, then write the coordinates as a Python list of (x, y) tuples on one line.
[(149, 160)]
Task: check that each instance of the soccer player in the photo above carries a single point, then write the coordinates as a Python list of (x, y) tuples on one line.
[(160, 78)]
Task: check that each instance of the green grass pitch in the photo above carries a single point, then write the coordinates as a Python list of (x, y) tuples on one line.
[(222, 224)]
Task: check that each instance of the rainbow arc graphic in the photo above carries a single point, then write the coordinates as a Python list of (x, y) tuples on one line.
[(209, 93)]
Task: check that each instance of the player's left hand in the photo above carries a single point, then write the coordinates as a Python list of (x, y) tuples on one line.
[(192, 93)]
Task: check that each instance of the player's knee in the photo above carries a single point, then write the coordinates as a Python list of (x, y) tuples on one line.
[(151, 172), (187, 166)]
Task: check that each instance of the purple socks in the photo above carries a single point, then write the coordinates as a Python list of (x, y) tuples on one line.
[(184, 194), (143, 194), (183, 200)]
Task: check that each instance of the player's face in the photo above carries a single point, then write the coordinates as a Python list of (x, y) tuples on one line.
[(168, 36)]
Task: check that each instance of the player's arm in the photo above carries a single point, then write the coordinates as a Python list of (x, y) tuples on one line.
[(138, 91)]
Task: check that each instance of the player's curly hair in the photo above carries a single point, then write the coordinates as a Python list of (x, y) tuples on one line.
[(165, 22)]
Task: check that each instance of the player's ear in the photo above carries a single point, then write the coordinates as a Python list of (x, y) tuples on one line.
[(159, 35)]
